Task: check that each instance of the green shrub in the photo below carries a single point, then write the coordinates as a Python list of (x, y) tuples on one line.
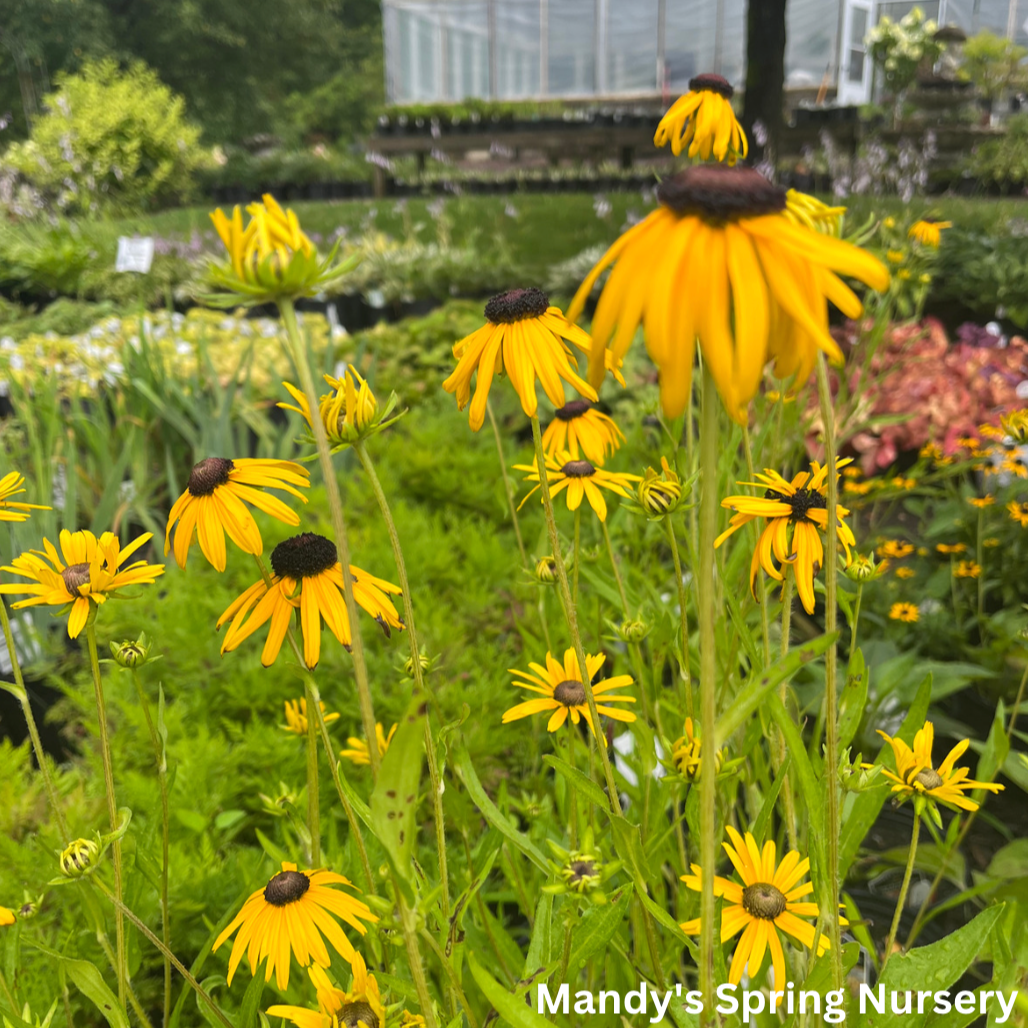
[(1004, 161), (111, 140)]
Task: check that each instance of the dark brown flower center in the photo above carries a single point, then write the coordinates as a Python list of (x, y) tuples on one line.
[(355, 1014), (582, 869), (569, 693), (286, 887), (711, 83), (75, 576), (208, 475), (929, 778), (801, 501), (718, 193), (578, 469), (764, 900), (516, 305), (572, 410), (303, 556)]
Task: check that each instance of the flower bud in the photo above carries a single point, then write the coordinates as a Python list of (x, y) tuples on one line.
[(131, 654), (632, 631), (80, 858), (424, 661), (660, 493), (546, 571), (864, 569)]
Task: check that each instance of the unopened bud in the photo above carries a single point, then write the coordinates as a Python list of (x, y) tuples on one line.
[(864, 569), (79, 858), (660, 492), (632, 631), (546, 571), (408, 664)]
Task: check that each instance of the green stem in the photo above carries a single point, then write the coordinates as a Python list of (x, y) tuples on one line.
[(416, 669), (313, 786), (831, 658), (573, 793), (788, 798), (162, 781), (683, 613), (417, 968), (980, 556), (856, 618), (508, 489), (576, 559), (342, 541), (765, 625), (30, 721), (708, 685), (617, 574), (121, 970), (901, 902), (124, 911)]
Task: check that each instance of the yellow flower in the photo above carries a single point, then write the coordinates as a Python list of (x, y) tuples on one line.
[(894, 256), (296, 716), (559, 688), (347, 412), (213, 504), (915, 775), (270, 259), (905, 572), (703, 121), (903, 274), (981, 502), (6, 917), (524, 336), (895, 549), (967, 569), (810, 212), (904, 612), (904, 483), (90, 572), (1016, 466), (799, 505), (1018, 512), (686, 754), (951, 547), (660, 493), (409, 1020), (769, 900), (928, 232), (758, 287), (991, 542), (308, 578), (580, 478), (358, 751), (291, 913), (1014, 424), (14, 510), (581, 430), (361, 1007)]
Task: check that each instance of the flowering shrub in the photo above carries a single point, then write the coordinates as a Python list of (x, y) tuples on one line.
[(899, 48)]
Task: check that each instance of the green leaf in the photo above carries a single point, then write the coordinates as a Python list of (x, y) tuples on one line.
[(394, 800), (162, 728), (753, 691), (768, 806), (466, 772), (579, 781), (88, 980), (540, 945), (853, 699), (278, 855), (595, 930), (511, 1007), (249, 1008), (663, 918)]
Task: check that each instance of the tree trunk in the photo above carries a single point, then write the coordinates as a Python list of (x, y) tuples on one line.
[(765, 78)]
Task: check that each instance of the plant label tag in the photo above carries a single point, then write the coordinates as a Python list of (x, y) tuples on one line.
[(134, 254)]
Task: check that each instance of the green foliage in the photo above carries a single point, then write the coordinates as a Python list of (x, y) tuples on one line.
[(111, 140), (1002, 162), (993, 63)]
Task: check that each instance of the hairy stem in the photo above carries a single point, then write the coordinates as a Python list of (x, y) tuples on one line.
[(508, 489), (683, 614), (901, 902)]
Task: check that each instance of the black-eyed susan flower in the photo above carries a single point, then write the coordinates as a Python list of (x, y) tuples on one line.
[(686, 754), (660, 492), (951, 548), (703, 121), (967, 569), (91, 571), (906, 612), (915, 776), (357, 749), (524, 337), (810, 212), (559, 689), (7, 917), (359, 1007), (796, 513), (895, 549), (1018, 512), (14, 510), (981, 502), (904, 572), (215, 500), (580, 478), (581, 871), (1014, 425), (758, 287), (308, 578), (349, 412), (928, 232), (769, 900), (581, 430), (289, 916), (270, 259), (296, 716)]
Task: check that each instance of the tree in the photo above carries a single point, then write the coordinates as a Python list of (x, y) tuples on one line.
[(765, 74)]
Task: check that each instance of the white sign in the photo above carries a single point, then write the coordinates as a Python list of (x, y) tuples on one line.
[(134, 254)]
